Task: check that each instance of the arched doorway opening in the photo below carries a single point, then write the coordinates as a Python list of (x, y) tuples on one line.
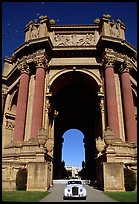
[(75, 98), (73, 148), (73, 152), (21, 178)]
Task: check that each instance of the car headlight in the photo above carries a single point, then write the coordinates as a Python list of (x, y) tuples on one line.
[(81, 190), (68, 190)]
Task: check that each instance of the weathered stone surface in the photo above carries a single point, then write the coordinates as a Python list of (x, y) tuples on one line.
[(113, 174)]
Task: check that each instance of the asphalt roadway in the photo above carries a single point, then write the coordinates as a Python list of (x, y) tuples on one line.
[(93, 195)]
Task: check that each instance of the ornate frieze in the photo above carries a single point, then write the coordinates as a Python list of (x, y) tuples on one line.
[(74, 40)]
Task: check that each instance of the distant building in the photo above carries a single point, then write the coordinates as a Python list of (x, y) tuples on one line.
[(74, 170)]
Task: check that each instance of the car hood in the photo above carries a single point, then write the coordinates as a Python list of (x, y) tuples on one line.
[(74, 185)]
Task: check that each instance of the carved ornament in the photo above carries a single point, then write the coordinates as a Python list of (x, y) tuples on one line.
[(8, 172), (109, 61), (106, 16), (74, 40), (123, 68), (34, 31), (100, 145), (24, 67), (114, 32), (126, 66), (4, 90), (109, 58), (40, 62), (9, 125), (26, 59)]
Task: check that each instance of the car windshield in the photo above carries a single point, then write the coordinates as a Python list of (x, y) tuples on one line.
[(74, 182)]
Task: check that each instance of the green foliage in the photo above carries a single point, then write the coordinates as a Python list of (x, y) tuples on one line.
[(130, 179), (21, 179)]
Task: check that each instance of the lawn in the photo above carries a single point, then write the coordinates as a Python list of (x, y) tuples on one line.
[(127, 196), (23, 196), (31, 196)]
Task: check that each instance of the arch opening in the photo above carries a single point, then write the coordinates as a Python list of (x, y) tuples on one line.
[(77, 103), (73, 149)]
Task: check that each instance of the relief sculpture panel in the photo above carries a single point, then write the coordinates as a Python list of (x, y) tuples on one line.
[(74, 40)]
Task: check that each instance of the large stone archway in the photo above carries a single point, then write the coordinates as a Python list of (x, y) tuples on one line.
[(75, 98), (65, 77)]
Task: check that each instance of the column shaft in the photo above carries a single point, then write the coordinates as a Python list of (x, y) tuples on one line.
[(3, 102), (21, 108), (38, 102), (112, 110), (128, 107)]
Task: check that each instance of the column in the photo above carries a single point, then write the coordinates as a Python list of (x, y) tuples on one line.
[(112, 110), (3, 101), (128, 105), (37, 113), (102, 117), (59, 156), (21, 103)]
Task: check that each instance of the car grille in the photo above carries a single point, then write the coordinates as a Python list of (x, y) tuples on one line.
[(74, 190)]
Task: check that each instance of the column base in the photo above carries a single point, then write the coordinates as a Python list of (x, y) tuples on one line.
[(113, 174)]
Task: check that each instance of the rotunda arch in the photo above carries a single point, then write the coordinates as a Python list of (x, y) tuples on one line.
[(75, 98), (83, 70)]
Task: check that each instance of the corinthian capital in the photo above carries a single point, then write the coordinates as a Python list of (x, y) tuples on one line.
[(40, 62), (109, 58), (24, 68), (108, 61), (125, 66)]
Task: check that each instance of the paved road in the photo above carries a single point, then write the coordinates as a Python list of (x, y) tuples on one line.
[(93, 195)]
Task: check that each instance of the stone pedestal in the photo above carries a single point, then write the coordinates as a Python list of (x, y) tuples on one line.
[(37, 176), (113, 174)]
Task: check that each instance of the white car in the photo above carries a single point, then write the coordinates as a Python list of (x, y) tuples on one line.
[(75, 190)]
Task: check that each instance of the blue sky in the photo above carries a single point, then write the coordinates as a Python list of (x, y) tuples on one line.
[(16, 15), (73, 148)]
